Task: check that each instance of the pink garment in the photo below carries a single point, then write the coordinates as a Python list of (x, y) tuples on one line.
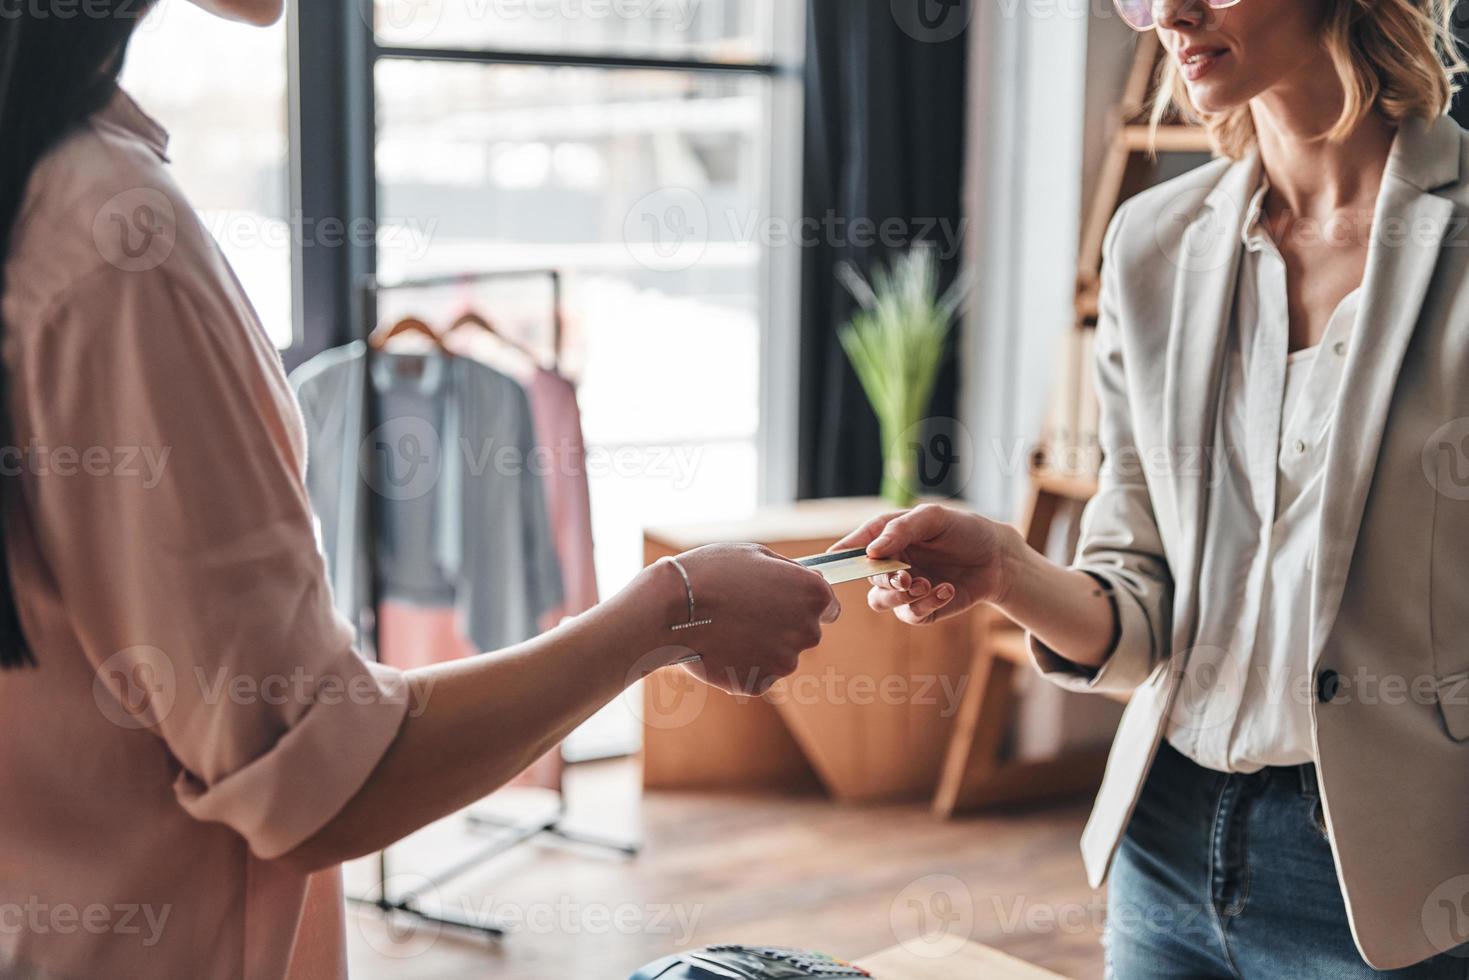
[(419, 636), (557, 420), (198, 709)]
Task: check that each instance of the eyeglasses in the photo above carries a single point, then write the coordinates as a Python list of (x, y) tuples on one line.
[(1139, 13)]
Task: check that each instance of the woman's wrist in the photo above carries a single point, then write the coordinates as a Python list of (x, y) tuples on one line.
[(658, 600), (1014, 568)]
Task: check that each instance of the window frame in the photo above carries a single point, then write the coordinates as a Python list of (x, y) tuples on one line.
[(333, 57)]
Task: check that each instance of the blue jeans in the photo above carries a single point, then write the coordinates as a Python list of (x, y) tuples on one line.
[(1231, 877)]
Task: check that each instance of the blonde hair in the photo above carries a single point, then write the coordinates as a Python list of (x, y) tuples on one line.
[(1397, 57)]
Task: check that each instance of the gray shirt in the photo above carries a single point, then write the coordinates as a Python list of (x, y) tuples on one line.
[(461, 515)]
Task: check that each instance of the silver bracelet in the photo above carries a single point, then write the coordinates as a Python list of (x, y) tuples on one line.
[(689, 590)]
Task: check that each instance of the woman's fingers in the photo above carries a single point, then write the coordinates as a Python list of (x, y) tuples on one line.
[(867, 533), (883, 599), (922, 610), (924, 524)]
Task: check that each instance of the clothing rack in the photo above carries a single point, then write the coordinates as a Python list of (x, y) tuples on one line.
[(370, 288), (509, 834)]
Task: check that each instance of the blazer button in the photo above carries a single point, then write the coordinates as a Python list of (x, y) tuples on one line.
[(1328, 686)]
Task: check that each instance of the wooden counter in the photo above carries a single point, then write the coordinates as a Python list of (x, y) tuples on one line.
[(972, 962), (869, 713)]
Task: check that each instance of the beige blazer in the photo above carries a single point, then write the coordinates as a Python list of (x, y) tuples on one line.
[(1389, 592)]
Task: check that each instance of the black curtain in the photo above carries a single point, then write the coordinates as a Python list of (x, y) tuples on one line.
[(1461, 31), (884, 145)]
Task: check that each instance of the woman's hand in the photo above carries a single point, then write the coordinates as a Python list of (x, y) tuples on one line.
[(958, 560), (765, 609), (475, 723)]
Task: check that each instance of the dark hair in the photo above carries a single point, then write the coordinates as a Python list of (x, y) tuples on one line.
[(59, 64)]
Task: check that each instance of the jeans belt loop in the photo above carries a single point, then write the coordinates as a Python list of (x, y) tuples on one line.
[(1308, 779)]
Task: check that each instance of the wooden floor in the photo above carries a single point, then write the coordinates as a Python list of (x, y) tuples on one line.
[(779, 871)]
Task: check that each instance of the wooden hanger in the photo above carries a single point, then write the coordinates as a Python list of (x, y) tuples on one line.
[(473, 319), (407, 326)]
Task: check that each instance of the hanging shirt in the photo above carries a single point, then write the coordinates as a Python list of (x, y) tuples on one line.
[(1246, 698), (561, 455), (198, 709), (459, 507)]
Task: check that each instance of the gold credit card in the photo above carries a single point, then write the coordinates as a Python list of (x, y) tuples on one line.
[(848, 566)]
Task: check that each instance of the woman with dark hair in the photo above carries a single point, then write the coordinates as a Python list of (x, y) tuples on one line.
[(193, 745)]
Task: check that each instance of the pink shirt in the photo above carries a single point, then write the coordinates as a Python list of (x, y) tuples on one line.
[(198, 708)]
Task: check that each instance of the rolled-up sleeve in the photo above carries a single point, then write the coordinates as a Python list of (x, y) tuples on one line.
[(1119, 540), (179, 536)]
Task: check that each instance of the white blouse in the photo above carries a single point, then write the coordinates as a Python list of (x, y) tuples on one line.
[(1246, 698)]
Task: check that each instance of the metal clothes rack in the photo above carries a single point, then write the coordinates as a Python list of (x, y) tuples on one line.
[(509, 834)]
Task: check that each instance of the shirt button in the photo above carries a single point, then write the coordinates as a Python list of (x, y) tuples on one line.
[(1300, 445), (1340, 347), (1328, 686)]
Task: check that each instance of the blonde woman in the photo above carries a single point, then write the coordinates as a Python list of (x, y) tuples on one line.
[(1276, 566)]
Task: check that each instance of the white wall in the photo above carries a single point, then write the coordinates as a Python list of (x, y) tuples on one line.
[(1045, 77)]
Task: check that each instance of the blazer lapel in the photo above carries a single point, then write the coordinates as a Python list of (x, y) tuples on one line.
[(1203, 303), (1400, 264)]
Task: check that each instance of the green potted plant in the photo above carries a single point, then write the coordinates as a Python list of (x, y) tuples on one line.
[(897, 342)]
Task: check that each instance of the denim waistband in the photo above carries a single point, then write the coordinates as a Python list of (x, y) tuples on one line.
[(1302, 776)]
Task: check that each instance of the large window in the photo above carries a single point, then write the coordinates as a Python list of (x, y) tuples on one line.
[(514, 135), (642, 148), (715, 30), (220, 90)]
